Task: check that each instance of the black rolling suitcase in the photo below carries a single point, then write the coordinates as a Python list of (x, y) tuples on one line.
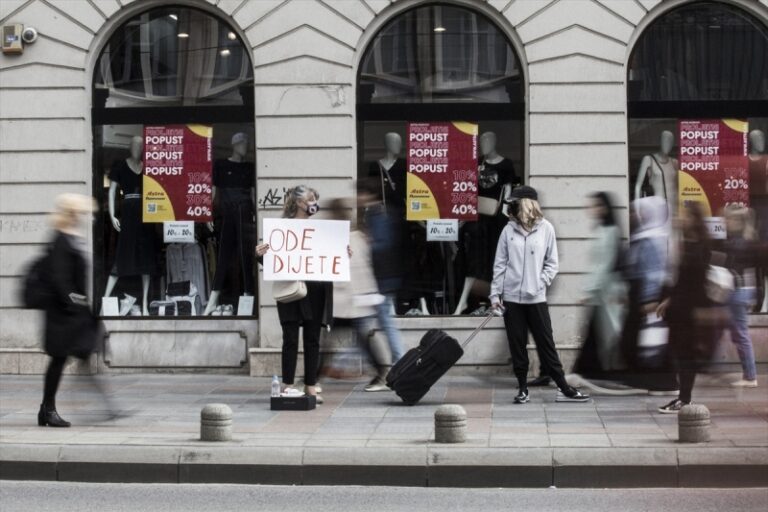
[(416, 372)]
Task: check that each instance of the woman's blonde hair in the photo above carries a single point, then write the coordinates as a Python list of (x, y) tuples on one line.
[(747, 218), (67, 206), (292, 198), (530, 213)]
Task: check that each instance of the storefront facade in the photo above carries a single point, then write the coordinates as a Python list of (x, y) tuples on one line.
[(310, 92)]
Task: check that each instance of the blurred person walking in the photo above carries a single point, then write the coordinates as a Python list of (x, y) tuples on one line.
[(382, 227), (525, 265), (71, 328), (604, 295), (693, 318), (644, 337), (742, 259), (358, 298)]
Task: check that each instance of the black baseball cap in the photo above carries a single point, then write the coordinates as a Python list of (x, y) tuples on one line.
[(523, 192)]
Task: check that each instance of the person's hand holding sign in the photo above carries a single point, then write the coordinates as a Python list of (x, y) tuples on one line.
[(261, 250)]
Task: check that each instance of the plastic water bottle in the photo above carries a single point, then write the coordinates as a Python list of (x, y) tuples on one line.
[(275, 386)]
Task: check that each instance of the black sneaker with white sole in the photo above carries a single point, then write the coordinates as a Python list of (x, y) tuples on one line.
[(522, 397), (672, 407), (571, 394)]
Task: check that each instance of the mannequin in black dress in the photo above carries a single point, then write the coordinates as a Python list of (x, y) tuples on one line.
[(234, 194), (135, 245), (496, 178)]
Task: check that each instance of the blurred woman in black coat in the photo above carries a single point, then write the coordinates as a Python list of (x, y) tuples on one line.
[(71, 329), (692, 317)]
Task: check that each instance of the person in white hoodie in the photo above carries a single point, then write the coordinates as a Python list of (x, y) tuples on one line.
[(525, 265)]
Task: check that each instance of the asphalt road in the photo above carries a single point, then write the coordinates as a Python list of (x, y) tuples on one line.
[(63, 497)]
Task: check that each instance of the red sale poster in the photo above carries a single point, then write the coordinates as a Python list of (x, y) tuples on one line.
[(714, 167), (177, 173), (442, 171)]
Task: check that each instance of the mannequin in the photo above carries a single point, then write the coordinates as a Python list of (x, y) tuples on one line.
[(758, 194), (234, 194), (391, 171), (136, 242), (496, 178), (662, 170)]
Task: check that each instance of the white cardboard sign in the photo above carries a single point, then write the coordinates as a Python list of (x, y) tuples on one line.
[(443, 230), (179, 231), (306, 250)]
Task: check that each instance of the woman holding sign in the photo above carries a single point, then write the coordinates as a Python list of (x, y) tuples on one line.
[(309, 313)]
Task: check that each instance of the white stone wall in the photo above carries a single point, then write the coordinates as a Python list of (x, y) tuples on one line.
[(305, 54)]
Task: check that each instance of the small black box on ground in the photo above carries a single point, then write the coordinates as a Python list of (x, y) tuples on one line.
[(293, 403)]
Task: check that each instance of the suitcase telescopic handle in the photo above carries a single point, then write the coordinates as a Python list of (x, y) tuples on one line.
[(479, 328)]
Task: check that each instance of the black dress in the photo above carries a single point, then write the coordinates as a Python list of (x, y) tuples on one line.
[(136, 244), (481, 237), (234, 220)]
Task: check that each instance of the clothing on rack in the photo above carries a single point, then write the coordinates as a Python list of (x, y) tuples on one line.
[(186, 262)]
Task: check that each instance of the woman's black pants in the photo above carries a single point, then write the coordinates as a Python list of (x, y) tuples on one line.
[(290, 354), (52, 379), (518, 320)]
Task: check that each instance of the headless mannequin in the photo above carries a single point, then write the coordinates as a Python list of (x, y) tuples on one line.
[(394, 145), (136, 165), (392, 172), (239, 152), (489, 207), (662, 170), (758, 163)]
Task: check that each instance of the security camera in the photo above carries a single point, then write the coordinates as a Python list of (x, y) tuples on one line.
[(29, 35)]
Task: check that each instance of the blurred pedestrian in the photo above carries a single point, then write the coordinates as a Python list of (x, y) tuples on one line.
[(742, 260), (357, 299), (525, 265), (308, 314), (604, 294), (71, 328), (645, 270), (691, 315), (382, 228)]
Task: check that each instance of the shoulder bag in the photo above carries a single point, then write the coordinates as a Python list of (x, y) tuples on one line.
[(289, 291)]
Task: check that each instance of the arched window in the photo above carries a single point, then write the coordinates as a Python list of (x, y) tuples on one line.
[(697, 89), (173, 142), (445, 68)]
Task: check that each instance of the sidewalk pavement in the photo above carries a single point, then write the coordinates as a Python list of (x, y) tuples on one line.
[(372, 439)]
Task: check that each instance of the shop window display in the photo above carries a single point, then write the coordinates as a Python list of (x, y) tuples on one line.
[(174, 168), (442, 64), (700, 72)]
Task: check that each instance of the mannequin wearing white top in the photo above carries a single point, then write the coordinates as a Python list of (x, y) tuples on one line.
[(661, 169)]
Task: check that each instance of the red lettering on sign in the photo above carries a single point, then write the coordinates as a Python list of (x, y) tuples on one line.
[(305, 238)]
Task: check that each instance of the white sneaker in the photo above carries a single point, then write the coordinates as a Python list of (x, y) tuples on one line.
[(744, 383)]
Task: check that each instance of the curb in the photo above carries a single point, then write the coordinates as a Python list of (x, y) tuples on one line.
[(419, 466)]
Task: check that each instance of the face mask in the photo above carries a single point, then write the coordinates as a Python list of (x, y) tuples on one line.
[(312, 208)]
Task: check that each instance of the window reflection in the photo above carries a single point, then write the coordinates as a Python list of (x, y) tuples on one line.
[(173, 57)]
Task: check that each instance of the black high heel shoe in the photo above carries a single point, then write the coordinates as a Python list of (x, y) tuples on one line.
[(49, 417)]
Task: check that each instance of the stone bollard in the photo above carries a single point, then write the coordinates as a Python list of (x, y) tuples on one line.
[(450, 424), (693, 424), (216, 423)]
